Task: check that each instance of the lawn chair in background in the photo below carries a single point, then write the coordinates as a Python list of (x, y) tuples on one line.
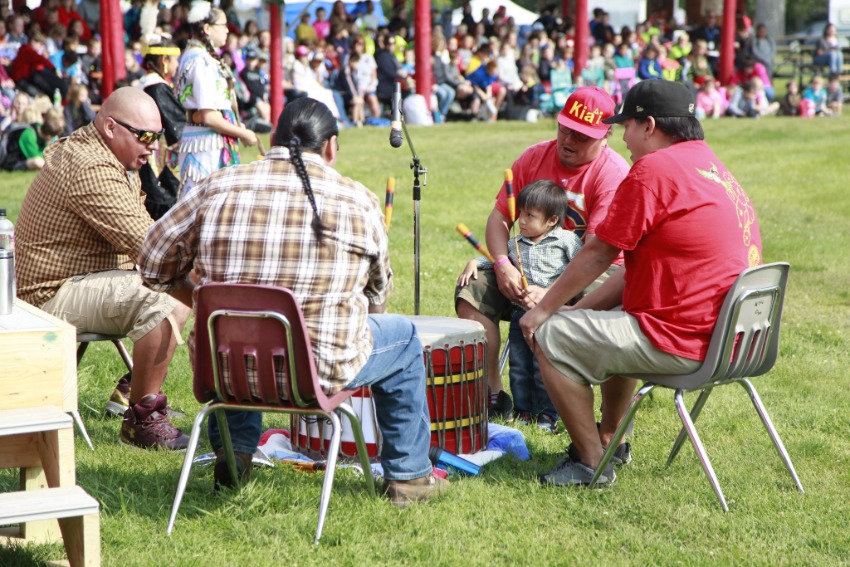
[(745, 343), (624, 79), (253, 353), (593, 77), (561, 87)]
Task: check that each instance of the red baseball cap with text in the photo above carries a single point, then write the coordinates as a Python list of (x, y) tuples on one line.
[(585, 110)]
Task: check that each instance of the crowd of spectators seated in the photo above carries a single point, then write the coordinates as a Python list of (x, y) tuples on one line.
[(486, 68)]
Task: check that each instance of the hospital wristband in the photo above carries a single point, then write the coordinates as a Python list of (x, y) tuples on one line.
[(501, 261)]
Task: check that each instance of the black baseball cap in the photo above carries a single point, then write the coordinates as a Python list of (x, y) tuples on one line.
[(657, 98)]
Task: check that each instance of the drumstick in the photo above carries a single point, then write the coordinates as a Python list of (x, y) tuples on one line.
[(519, 261), (388, 204), (260, 149), (509, 190), (466, 233)]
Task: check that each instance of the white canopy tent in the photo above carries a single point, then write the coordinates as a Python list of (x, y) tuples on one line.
[(521, 16)]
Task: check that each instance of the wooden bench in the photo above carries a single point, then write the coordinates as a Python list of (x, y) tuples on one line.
[(33, 420), (76, 511), (29, 438), (38, 391)]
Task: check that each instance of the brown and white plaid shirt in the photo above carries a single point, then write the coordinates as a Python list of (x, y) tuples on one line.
[(83, 213), (251, 224)]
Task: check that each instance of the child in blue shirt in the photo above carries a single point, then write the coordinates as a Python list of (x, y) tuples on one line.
[(816, 93), (545, 250)]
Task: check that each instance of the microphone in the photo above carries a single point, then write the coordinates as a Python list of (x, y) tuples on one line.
[(395, 126)]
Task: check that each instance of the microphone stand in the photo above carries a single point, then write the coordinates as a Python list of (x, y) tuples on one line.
[(418, 169)]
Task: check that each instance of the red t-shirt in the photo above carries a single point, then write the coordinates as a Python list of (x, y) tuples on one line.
[(688, 230), (589, 188)]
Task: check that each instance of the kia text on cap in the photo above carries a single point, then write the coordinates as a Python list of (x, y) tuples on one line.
[(585, 110)]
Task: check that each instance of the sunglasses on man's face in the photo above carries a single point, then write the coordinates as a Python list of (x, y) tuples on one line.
[(146, 137)]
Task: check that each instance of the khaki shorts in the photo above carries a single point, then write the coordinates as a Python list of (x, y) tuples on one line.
[(589, 347), (111, 303), (484, 295)]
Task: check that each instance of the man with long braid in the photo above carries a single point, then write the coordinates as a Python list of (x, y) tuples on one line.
[(328, 246)]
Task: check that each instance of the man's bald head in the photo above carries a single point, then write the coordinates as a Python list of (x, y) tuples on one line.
[(133, 106), (125, 110)]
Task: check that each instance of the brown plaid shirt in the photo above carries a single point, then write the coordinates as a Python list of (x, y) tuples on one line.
[(251, 224), (84, 213)]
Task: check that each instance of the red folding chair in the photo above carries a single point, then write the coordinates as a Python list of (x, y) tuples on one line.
[(253, 353)]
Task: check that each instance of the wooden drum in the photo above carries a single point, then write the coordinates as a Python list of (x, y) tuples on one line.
[(453, 354), (454, 378)]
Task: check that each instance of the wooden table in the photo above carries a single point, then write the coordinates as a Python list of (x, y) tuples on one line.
[(37, 370)]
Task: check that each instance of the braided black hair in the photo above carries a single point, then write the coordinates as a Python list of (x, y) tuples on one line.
[(306, 125)]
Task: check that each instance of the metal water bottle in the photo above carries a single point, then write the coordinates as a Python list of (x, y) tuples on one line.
[(7, 264)]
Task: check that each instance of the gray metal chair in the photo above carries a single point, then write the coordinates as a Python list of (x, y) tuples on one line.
[(744, 344), (84, 339)]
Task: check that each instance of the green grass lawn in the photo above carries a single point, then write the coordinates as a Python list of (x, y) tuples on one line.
[(795, 171)]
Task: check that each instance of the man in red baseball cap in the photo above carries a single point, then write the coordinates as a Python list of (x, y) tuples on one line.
[(578, 160)]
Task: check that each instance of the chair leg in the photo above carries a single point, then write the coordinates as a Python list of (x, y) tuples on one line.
[(81, 350), (771, 430), (227, 445), (503, 358), (703, 456), (330, 469), (79, 421), (695, 411), (625, 423), (122, 350), (357, 431), (194, 437)]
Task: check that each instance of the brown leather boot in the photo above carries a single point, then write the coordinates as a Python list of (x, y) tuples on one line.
[(403, 493), (146, 425), (221, 473)]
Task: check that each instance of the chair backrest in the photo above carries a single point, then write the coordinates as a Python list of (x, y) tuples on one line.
[(745, 341), (593, 77), (562, 80), (252, 347), (625, 73)]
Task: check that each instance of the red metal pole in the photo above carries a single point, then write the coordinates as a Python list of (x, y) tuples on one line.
[(276, 62), (582, 37), (108, 80), (117, 22), (727, 43), (422, 49)]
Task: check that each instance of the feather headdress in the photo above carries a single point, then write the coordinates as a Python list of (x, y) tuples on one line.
[(200, 12)]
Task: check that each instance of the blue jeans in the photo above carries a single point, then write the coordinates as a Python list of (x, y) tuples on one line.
[(445, 97), (396, 373), (340, 104), (834, 60), (245, 429), (526, 382)]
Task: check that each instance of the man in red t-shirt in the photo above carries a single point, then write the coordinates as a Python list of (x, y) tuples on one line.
[(578, 160), (687, 230)]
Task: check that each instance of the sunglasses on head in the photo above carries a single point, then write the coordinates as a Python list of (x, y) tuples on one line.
[(146, 137)]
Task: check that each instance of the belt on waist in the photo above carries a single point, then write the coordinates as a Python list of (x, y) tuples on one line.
[(190, 114)]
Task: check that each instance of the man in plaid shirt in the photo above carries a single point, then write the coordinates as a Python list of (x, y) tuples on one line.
[(293, 221)]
